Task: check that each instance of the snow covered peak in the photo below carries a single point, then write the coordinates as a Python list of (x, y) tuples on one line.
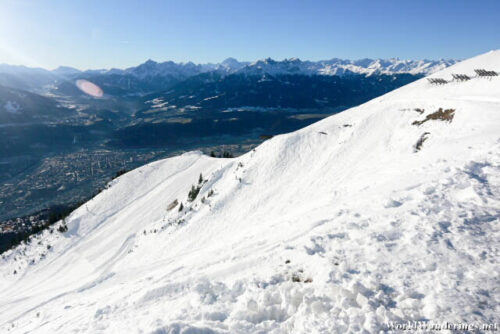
[(151, 69), (273, 67), (342, 66), (230, 62), (165, 69), (387, 212), (229, 65), (66, 70), (150, 62)]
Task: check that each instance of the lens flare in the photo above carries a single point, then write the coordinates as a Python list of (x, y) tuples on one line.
[(89, 88)]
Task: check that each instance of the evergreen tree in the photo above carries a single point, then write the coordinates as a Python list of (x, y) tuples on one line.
[(181, 207), (227, 154), (193, 193)]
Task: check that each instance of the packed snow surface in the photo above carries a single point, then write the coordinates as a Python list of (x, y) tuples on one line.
[(344, 226)]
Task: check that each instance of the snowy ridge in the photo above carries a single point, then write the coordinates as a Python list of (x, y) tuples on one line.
[(342, 226), (151, 69), (342, 67), (334, 66)]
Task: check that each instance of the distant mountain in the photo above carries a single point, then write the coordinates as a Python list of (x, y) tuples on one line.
[(152, 69), (334, 66), (152, 76), (27, 78), (66, 71), (231, 65), (342, 67), (18, 106), (179, 71)]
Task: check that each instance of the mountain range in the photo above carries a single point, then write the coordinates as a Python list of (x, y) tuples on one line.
[(287, 66), (160, 75)]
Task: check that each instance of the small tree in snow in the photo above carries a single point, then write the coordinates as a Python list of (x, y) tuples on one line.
[(193, 193)]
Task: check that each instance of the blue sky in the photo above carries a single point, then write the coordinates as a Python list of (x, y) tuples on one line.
[(111, 33)]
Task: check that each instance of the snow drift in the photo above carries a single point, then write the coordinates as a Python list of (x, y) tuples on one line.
[(387, 212)]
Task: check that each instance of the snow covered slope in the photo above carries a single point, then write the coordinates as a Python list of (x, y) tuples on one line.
[(360, 219)]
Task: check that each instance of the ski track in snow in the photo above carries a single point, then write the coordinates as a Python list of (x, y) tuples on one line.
[(339, 227)]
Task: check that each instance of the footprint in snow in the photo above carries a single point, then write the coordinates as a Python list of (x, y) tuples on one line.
[(392, 204)]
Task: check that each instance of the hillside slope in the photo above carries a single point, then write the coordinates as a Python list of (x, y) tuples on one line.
[(360, 219), (22, 107)]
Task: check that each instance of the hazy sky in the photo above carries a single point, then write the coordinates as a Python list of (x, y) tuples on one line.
[(121, 33)]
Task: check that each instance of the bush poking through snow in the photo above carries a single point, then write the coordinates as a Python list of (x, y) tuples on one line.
[(119, 173), (224, 154), (298, 276), (181, 207), (443, 115), (210, 193), (227, 155), (172, 205), (421, 141), (193, 193), (63, 227)]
